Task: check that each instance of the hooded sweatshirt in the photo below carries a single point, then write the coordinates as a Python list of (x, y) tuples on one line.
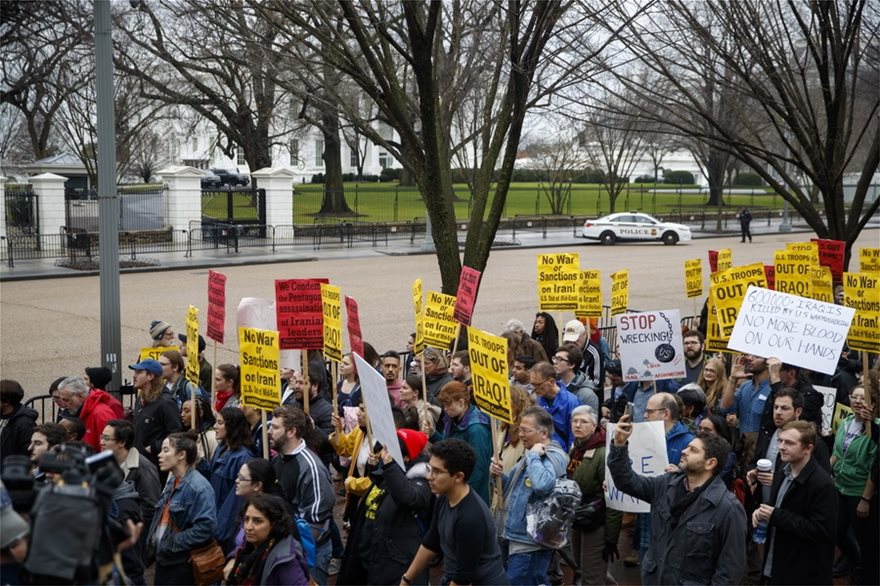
[(99, 408)]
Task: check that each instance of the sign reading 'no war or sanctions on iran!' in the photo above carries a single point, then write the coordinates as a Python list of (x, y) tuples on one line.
[(260, 368), (558, 278)]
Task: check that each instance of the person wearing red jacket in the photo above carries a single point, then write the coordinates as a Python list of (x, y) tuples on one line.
[(94, 407)]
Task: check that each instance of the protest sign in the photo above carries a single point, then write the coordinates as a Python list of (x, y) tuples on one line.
[(693, 277), (331, 312), (299, 311), (820, 286), (841, 412), (216, 306), (619, 292), (869, 260), (491, 387), (152, 353), (438, 321), (355, 338), (716, 341), (192, 345), (728, 288), (831, 255), (770, 274), (260, 368), (647, 455), (253, 312), (799, 331), (808, 250), (829, 400), (558, 276), (378, 407), (725, 259), (861, 291), (713, 261), (793, 274), (417, 309), (468, 283), (650, 345), (589, 294)]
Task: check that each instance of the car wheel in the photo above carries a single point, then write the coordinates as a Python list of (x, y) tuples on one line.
[(608, 238), (670, 238)]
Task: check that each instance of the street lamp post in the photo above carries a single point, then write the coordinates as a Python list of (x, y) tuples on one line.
[(108, 200)]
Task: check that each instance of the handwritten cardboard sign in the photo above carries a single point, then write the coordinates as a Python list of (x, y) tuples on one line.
[(647, 453)]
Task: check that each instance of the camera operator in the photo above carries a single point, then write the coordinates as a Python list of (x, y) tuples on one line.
[(82, 520)]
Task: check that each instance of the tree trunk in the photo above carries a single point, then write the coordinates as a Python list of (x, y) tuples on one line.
[(333, 202)]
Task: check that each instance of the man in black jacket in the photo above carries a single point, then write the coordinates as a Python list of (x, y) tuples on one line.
[(802, 516), (782, 376), (16, 421)]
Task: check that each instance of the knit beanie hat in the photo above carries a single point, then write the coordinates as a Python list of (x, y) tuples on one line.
[(99, 376), (158, 328)]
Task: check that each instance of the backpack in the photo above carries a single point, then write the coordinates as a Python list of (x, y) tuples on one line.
[(307, 540), (549, 519)]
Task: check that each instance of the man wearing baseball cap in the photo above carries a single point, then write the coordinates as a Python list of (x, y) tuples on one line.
[(592, 363), (156, 414)]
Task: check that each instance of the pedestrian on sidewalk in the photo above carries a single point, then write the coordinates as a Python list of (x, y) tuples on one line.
[(745, 222)]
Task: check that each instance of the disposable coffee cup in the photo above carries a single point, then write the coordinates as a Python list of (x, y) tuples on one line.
[(765, 465)]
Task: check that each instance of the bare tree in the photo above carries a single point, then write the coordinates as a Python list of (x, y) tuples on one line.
[(795, 72), (558, 161), (516, 53)]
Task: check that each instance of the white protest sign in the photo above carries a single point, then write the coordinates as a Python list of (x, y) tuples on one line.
[(254, 312), (647, 454), (375, 395), (829, 400), (797, 330), (650, 345)]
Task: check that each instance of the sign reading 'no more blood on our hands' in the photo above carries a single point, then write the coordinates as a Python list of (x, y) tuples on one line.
[(650, 345), (799, 331)]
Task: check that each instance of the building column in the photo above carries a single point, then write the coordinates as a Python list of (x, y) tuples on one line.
[(278, 183), (183, 197), (49, 189)]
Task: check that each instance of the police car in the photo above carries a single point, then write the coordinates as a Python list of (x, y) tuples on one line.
[(634, 226)]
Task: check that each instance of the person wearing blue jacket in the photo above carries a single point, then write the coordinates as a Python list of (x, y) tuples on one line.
[(557, 402), (533, 477), (234, 448)]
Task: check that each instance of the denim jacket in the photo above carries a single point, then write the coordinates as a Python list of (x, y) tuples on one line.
[(533, 477), (193, 517)]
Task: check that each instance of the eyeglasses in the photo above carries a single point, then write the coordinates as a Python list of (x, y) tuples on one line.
[(107, 438), (241, 478), (556, 359), (525, 431), (536, 385), (436, 471)]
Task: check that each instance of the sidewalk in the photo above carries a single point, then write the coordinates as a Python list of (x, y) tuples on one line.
[(555, 237)]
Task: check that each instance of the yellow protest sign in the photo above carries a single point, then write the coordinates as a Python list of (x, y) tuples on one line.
[(693, 277), (725, 260), (438, 320), (260, 368), (491, 387), (861, 291), (793, 272), (869, 260), (192, 345), (153, 353), (590, 294), (331, 308), (841, 411), (558, 276), (619, 292), (810, 250), (728, 288), (716, 341), (821, 286), (417, 309)]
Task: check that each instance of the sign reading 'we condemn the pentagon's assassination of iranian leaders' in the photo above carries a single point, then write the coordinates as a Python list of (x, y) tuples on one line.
[(799, 331)]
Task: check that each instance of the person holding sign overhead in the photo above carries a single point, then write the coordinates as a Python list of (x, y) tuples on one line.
[(699, 526)]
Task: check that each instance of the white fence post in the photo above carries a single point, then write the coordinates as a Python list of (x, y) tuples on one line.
[(49, 189), (278, 183), (3, 181), (183, 202)]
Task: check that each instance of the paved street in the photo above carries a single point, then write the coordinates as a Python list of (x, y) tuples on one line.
[(50, 327)]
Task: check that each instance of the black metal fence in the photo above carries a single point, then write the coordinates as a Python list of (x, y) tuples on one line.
[(22, 211)]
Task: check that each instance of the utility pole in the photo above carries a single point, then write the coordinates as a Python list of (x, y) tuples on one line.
[(108, 199)]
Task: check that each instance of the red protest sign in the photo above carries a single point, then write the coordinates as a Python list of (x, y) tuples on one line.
[(355, 341), (831, 253), (713, 261), (216, 306), (468, 283), (299, 314), (770, 273)]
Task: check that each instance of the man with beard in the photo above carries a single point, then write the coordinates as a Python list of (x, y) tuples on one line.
[(694, 346), (699, 531), (789, 376)]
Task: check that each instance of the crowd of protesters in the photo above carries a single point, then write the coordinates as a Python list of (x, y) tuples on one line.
[(719, 514)]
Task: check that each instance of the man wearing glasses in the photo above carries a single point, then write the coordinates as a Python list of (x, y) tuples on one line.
[(565, 361), (558, 403), (461, 525)]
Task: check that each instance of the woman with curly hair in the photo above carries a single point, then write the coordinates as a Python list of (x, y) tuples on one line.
[(235, 448)]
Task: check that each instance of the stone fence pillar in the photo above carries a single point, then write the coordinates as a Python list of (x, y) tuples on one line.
[(183, 199), (3, 181), (278, 183), (49, 189)]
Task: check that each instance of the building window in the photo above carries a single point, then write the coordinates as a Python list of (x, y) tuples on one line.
[(354, 158), (319, 152), (293, 148), (384, 160), (195, 144), (239, 157)]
